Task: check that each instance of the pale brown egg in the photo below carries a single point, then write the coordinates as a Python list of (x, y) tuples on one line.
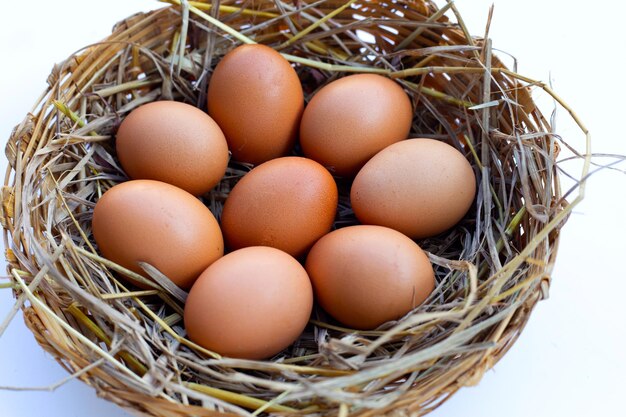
[(364, 276), (252, 303), (421, 187), (175, 143), (160, 224), (286, 203), (349, 120), (256, 97)]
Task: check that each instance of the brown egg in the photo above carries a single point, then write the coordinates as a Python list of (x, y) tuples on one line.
[(364, 276), (252, 303), (286, 203), (175, 143), (158, 223), (421, 187), (256, 97), (349, 120)]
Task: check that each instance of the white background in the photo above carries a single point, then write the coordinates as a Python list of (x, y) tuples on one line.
[(569, 360)]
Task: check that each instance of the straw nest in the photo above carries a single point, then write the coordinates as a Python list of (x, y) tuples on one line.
[(130, 344)]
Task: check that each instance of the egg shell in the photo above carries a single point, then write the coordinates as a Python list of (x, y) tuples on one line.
[(286, 203), (420, 187), (256, 97), (364, 276), (175, 143), (252, 303), (160, 224), (350, 119)]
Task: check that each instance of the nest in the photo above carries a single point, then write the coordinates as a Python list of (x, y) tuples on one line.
[(130, 344)]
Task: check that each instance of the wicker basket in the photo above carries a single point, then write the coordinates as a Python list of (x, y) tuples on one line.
[(129, 344)]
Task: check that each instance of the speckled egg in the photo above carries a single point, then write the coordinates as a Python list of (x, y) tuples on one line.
[(350, 119), (256, 98)]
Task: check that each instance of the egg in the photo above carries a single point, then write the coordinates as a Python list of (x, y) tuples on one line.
[(364, 276), (256, 97), (350, 119), (160, 224), (175, 143), (252, 304), (420, 187), (286, 203)]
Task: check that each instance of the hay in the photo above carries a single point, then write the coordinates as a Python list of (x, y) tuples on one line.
[(130, 345)]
